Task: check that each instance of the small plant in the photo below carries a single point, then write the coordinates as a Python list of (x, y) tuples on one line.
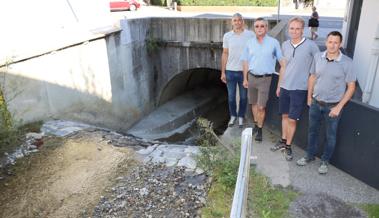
[(151, 45), (219, 162), (5, 116)]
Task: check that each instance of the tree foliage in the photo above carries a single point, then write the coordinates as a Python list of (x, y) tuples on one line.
[(227, 2)]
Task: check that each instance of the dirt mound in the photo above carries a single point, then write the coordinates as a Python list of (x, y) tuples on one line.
[(67, 176)]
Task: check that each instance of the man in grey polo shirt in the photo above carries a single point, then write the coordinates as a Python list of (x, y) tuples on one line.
[(330, 86), (292, 87), (231, 68), (259, 59)]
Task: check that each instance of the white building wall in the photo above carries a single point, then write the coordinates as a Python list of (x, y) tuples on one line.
[(32, 27), (363, 57), (346, 23)]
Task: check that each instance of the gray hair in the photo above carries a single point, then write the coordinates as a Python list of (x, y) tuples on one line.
[(297, 19), (237, 15), (262, 19)]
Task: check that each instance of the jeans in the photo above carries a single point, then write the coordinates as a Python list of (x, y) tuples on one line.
[(317, 114), (234, 78)]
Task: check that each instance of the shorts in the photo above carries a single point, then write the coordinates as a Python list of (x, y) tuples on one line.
[(292, 102), (259, 89), (314, 29)]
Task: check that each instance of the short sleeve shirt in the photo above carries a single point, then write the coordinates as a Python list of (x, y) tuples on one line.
[(261, 57), (331, 77), (299, 60), (235, 43)]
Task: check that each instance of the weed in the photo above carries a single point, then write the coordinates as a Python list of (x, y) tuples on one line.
[(222, 165), (14, 136), (267, 201), (152, 45), (372, 210)]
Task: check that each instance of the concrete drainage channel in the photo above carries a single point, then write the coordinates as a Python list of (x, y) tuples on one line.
[(177, 116), (128, 176)]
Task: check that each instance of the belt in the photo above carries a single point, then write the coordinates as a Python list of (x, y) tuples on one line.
[(260, 76), (325, 104)]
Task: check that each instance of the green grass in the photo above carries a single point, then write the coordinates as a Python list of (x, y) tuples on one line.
[(219, 201), (267, 201), (264, 200), (371, 209)]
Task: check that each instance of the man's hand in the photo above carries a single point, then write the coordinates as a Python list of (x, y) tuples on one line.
[(335, 111), (309, 101), (223, 78), (278, 91), (245, 83)]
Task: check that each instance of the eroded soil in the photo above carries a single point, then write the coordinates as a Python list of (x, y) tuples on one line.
[(66, 177)]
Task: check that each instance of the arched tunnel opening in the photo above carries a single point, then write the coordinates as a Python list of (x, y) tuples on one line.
[(193, 81), (188, 95)]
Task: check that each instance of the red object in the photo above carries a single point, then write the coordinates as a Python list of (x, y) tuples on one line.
[(38, 143), (122, 5)]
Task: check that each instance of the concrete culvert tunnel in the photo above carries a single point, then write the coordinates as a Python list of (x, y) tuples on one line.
[(188, 95)]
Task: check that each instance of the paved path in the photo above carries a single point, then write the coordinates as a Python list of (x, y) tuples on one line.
[(304, 179)]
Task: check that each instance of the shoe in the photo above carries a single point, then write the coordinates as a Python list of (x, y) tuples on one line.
[(240, 122), (304, 160), (255, 129), (288, 151), (259, 137), (280, 145), (231, 121), (323, 169)]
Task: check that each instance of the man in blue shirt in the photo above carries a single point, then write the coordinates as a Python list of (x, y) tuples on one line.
[(259, 59)]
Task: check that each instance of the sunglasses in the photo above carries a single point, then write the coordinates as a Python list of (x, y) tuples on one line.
[(259, 26)]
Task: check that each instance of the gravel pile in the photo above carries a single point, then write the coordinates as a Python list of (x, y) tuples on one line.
[(154, 190)]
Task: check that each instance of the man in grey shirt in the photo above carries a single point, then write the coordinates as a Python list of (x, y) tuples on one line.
[(292, 87), (330, 86), (231, 68)]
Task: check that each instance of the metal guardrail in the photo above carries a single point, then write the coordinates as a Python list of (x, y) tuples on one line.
[(239, 206)]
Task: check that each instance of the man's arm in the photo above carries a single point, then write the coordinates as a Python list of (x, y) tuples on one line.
[(311, 84), (245, 69), (224, 60), (282, 69), (335, 111)]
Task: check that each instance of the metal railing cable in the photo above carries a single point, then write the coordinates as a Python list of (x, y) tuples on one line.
[(239, 206)]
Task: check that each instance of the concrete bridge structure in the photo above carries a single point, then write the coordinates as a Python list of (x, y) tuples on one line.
[(116, 78)]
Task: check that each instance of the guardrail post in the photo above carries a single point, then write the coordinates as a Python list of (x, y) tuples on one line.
[(239, 206)]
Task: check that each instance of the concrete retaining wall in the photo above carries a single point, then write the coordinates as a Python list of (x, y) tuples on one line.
[(104, 81)]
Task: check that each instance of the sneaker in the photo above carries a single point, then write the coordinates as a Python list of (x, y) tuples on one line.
[(323, 169), (280, 145), (240, 122), (231, 121), (304, 160), (259, 137), (288, 153)]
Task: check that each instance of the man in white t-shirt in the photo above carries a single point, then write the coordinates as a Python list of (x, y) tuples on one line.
[(231, 68)]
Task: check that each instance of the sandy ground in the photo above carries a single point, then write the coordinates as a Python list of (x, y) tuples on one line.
[(62, 180)]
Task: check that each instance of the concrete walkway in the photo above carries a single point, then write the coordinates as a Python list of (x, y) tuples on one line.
[(305, 179)]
